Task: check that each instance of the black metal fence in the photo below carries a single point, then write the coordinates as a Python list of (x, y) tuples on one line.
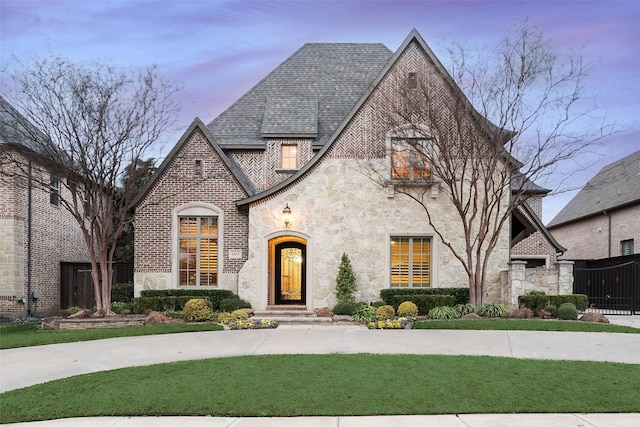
[(612, 288)]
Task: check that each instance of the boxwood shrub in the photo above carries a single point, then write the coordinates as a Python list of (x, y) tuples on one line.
[(537, 301), (122, 292), (424, 302), (172, 303), (214, 295), (460, 295), (581, 301)]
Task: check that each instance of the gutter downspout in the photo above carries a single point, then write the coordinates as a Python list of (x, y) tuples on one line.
[(608, 232), (29, 223)]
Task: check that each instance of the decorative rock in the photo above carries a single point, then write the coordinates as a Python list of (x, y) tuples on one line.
[(594, 318), (249, 311), (82, 314), (471, 316), (156, 318), (324, 312), (342, 318), (50, 323)]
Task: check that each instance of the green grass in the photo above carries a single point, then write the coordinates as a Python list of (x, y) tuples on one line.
[(524, 325), (13, 336), (332, 385)]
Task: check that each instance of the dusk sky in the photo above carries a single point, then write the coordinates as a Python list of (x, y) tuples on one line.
[(219, 49)]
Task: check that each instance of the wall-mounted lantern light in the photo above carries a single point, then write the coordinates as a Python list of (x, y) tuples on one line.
[(286, 215)]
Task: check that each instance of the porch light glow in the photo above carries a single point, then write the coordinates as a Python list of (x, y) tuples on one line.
[(286, 215)]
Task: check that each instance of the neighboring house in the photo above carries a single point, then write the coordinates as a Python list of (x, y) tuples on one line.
[(36, 233), (603, 219), (265, 198)]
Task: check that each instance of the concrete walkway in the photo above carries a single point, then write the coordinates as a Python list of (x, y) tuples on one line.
[(22, 367)]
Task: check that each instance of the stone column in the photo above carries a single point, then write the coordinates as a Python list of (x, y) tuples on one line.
[(565, 277), (517, 281)]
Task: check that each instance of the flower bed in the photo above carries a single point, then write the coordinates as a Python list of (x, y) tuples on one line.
[(252, 324), (396, 323)]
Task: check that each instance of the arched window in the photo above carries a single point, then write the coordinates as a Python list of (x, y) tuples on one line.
[(198, 241)]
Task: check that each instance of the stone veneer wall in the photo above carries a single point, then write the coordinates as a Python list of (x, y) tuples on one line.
[(56, 237), (155, 259), (519, 280)]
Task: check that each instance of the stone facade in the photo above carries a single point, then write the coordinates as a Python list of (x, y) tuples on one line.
[(600, 236), (519, 280), (55, 237)]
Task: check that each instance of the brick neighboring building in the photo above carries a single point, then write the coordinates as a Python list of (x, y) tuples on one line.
[(264, 200), (36, 234), (603, 219)]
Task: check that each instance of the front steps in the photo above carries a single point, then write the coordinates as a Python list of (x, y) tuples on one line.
[(292, 315)]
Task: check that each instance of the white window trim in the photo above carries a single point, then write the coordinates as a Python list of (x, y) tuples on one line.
[(434, 257), (194, 209)]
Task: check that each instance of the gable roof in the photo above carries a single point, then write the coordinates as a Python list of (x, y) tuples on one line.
[(15, 129), (306, 96), (228, 162), (525, 222), (615, 186), (413, 36)]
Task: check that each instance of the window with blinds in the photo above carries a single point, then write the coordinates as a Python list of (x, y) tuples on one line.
[(198, 251), (410, 262), (410, 159)]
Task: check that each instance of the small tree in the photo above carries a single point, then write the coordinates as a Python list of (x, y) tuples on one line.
[(345, 282), (89, 121)]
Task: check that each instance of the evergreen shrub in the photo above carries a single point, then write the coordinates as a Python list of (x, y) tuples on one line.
[(197, 310), (345, 282), (567, 311), (344, 309), (385, 312)]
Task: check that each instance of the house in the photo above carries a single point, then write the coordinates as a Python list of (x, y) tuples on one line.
[(265, 198), (603, 219), (36, 233)]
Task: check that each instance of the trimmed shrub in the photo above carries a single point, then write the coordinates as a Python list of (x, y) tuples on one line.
[(197, 310), (213, 295), (567, 311), (232, 304), (225, 317), (552, 310), (160, 304), (466, 308), (345, 282), (364, 313), (122, 292), (377, 304), (385, 312), (492, 310), (460, 295), (240, 315), (408, 309), (580, 301), (535, 300), (344, 308), (445, 312), (425, 302)]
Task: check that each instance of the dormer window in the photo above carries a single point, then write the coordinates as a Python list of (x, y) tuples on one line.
[(289, 157)]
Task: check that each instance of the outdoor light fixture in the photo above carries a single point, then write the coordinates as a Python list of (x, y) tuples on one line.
[(286, 215)]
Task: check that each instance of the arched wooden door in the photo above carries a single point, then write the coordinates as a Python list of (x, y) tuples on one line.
[(290, 273)]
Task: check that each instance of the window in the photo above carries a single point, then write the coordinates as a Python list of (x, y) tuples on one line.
[(410, 159), (54, 190), (198, 252), (289, 157), (626, 247), (412, 81), (198, 167), (410, 262)]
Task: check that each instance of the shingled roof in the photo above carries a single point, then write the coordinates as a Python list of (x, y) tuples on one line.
[(15, 129), (615, 186), (307, 96)]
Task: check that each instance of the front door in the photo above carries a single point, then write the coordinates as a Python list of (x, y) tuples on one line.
[(290, 273)]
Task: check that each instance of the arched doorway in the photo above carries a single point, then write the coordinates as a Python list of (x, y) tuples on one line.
[(288, 266)]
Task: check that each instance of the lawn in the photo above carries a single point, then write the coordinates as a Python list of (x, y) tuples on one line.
[(12, 336), (524, 325), (331, 385)]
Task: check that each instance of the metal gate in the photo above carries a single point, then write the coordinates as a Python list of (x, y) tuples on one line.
[(611, 290)]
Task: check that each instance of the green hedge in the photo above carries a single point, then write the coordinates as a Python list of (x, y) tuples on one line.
[(424, 302), (581, 301), (214, 295), (537, 301), (460, 295), (161, 303), (122, 292)]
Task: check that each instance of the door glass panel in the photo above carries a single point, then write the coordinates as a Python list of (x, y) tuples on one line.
[(290, 274)]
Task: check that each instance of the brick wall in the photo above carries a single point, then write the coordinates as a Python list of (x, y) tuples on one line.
[(180, 184), (55, 237), (600, 236)]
